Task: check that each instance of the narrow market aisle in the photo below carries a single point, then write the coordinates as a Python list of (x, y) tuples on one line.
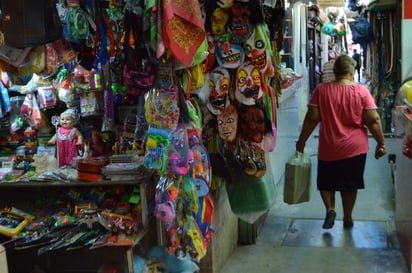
[(292, 239)]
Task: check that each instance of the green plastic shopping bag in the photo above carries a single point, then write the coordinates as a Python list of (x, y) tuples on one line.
[(298, 172)]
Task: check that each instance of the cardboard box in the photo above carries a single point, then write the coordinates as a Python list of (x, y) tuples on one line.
[(3, 260)]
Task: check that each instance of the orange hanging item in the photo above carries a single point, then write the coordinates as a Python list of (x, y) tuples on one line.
[(184, 30)]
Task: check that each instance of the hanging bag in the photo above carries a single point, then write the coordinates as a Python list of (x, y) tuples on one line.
[(138, 72), (362, 32), (28, 23), (298, 170)]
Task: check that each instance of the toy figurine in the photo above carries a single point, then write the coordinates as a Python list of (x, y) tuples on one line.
[(68, 138)]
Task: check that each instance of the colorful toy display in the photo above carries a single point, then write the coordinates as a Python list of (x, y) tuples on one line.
[(127, 106)]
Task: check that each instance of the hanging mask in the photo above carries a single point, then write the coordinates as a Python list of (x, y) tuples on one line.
[(252, 124), (227, 123), (258, 49), (252, 158), (218, 92), (229, 55), (219, 19), (209, 62), (225, 4), (240, 24), (248, 84)]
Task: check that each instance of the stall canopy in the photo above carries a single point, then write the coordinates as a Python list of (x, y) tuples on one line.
[(330, 3), (382, 5)]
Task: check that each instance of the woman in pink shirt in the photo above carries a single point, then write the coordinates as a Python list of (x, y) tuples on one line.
[(345, 111)]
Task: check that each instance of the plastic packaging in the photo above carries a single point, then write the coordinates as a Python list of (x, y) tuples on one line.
[(298, 171)]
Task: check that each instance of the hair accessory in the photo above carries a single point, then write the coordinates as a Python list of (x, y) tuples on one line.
[(70, 112)]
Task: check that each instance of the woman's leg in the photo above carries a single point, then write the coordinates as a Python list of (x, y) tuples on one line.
[(328, 198), (348, 203)]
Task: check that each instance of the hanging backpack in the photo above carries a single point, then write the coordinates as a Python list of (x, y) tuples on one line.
[(362, 32)]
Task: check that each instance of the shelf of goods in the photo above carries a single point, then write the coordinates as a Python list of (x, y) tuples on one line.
[(87, 257)]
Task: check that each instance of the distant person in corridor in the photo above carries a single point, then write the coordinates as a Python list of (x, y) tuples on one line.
[(344, 111), (357, 58)]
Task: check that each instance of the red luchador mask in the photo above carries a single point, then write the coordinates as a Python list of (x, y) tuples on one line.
[(257, 48), (218, 92), (248, 84), (240, 24)]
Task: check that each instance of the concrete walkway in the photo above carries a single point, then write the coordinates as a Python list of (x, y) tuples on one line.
[(292, 239)]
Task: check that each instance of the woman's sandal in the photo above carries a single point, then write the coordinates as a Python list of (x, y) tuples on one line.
[(329, 219), (347, 224)]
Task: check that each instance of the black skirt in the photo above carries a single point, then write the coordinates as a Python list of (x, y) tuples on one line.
[(341, 175)]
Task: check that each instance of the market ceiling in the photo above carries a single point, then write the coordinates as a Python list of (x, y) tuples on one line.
[(330, 3), (339, 3)]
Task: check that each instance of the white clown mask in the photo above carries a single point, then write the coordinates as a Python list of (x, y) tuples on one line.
[(218, 90), (258, 50), (248, 84), (229, 55)]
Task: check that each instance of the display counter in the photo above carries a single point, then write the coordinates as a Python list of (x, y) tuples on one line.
[(81, 259)]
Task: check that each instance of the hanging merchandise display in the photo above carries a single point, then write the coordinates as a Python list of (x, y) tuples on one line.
[(175, 96), (362, 32), (183, 29), (30, 24), (328, 28)]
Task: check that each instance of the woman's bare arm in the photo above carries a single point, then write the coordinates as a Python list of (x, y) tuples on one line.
[(310, 122)]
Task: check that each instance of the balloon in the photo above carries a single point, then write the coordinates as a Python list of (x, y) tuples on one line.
[(406, 90), (339, 28), (328, 28)]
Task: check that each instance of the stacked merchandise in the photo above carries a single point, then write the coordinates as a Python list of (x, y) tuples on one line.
[(147, 88), (125, 167)]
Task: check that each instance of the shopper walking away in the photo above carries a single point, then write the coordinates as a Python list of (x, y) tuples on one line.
[(345, 111), (357, 58), (327, 71)]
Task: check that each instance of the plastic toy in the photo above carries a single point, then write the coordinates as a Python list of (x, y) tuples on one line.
[(178, 151), (166, 212), (157, 146), (67, 137), (170, 262), (91, 219), (12, 223)]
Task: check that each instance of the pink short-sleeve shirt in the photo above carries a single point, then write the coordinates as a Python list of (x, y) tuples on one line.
[(342, 133)]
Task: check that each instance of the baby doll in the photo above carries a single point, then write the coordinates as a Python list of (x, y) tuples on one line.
[(68, 138)]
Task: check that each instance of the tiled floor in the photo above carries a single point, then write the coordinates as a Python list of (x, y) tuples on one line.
[(292, 239)]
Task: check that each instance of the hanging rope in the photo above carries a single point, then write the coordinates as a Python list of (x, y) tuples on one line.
[(389, 55)]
